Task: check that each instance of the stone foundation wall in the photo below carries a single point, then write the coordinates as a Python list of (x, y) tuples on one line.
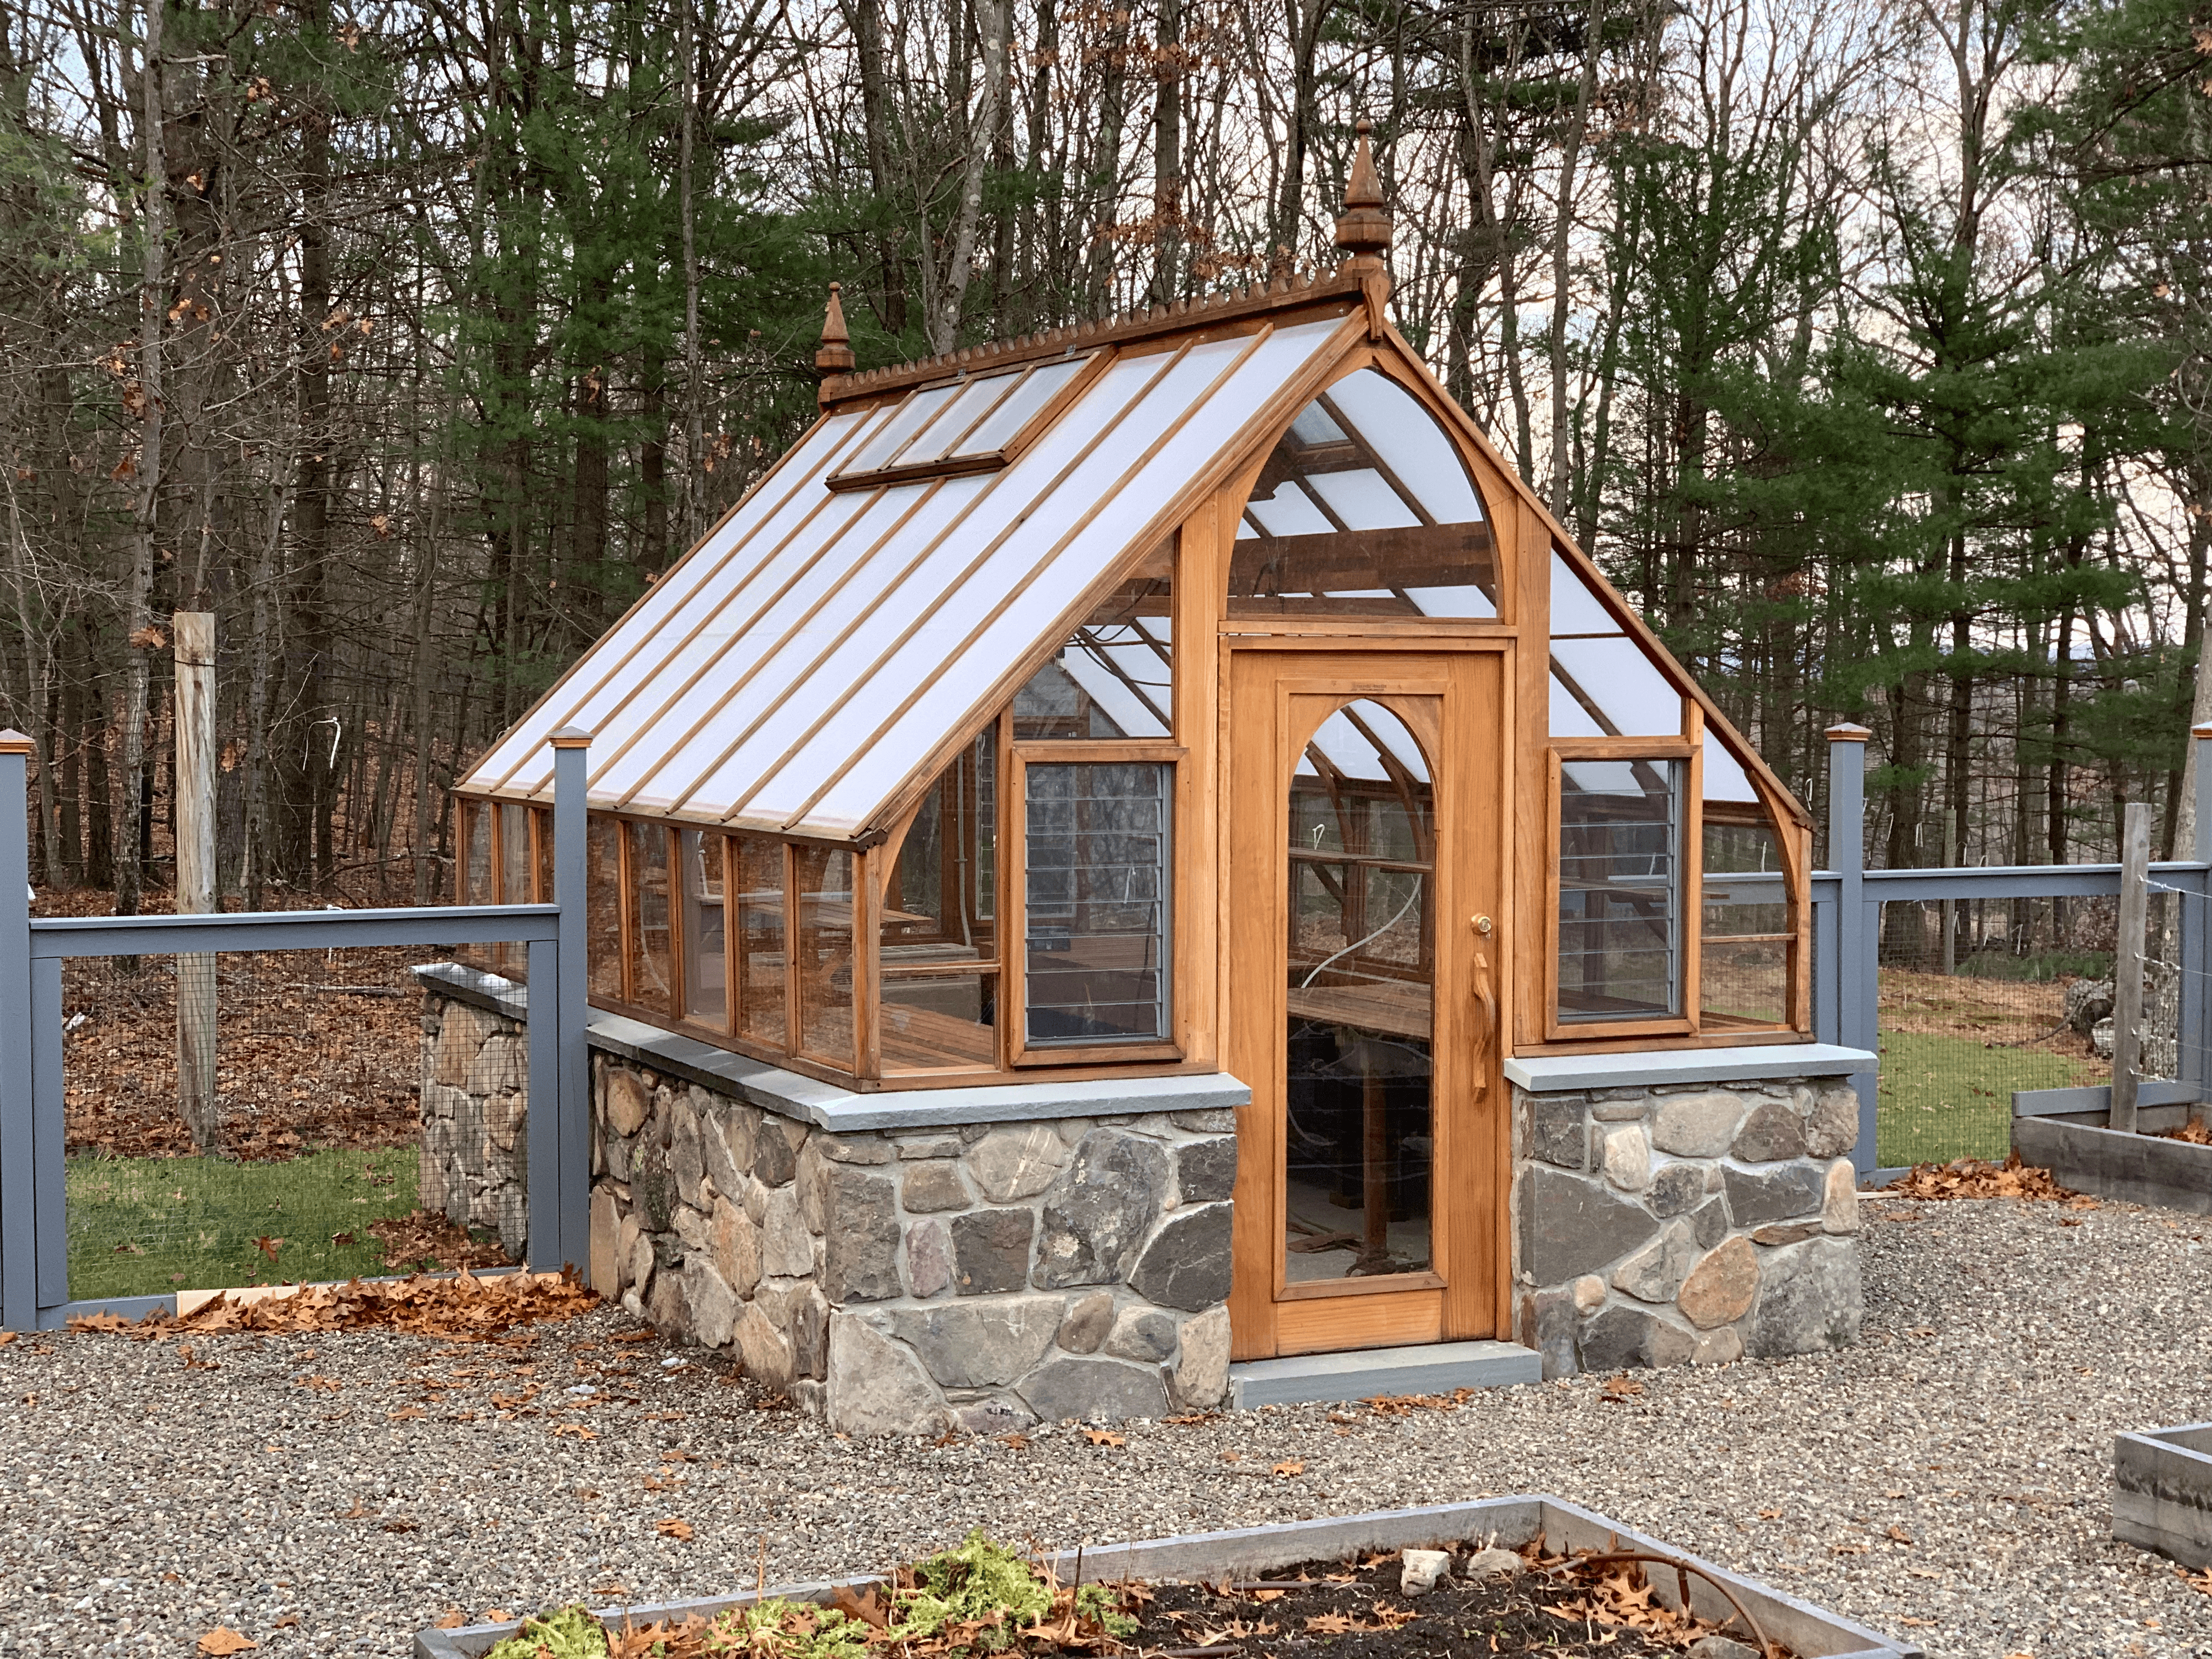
[(1656, 1226), (475, 1101), (904, 1280)]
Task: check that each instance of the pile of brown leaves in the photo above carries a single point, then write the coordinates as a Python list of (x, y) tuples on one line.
[(2196, 1132), (461, 1309), (1970, 1177), (426, 1237), (1617, 1594)]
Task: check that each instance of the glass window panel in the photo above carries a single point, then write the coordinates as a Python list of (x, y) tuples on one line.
[(1619, 890), (1097, 885), (824, 956), (757, 881), (936, 1021), (706, 980), (1576, 607), (937, 946), (1115, 677), (650, 964), (987, 821), (476, 854), (1618, 687), (1359, 1138), (912, 415), (514, 856), (603, 906), (546, 891), (954, 419), (1364, 508), (1004, 424), (1725, 778), (1745, 937)]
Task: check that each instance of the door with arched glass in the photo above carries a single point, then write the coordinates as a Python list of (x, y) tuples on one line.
[(1364, 922)]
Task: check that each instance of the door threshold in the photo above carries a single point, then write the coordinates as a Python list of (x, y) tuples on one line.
[(1364, 1373)]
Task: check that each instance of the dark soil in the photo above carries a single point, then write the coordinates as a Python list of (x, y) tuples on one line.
[(1355, 1610)]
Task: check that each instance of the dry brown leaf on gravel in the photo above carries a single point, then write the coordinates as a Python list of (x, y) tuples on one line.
[(222, 1639), (451, 1619), (2200, 1582), (1288, 1466), (1972, 1177), (462, 1308), (1103, 1437), (672, 1526)]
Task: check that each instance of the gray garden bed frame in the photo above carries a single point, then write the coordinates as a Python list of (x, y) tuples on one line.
[(1807, 1630), (2162, 1491), (2063, 1130)]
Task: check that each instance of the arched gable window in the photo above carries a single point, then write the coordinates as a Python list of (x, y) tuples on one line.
[(1364, 508)]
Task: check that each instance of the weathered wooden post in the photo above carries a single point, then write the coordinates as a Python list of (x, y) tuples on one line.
[(192, 633), (2128, 964)]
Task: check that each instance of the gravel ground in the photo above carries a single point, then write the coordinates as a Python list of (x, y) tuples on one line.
[(326, 1495)]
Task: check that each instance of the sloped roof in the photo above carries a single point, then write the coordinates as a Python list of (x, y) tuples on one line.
[(799, 665)]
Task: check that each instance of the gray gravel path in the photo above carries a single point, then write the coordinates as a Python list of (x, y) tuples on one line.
[(143, 1501)]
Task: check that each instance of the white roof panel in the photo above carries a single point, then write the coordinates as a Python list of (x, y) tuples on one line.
[(814, 650)]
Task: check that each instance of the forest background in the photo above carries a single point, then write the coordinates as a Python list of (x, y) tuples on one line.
[(1864, 341)]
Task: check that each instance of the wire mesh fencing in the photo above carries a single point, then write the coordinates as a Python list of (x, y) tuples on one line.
[(260, 1117), (1976, 998)]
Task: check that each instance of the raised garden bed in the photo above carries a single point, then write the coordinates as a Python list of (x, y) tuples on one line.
[(2064, 1131), (1584, 1586), (2163, 1492)]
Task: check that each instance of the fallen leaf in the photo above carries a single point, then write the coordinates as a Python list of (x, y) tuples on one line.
[(1897, 1535), (223, 1640), (495, 1616), (451, 1619), (576, 1428), (404, 1412), (1288, 1466), (1015, 1442), (1103, 1437), (269, 1246), (670, 1526), (1770, 1514), (400, 1524)]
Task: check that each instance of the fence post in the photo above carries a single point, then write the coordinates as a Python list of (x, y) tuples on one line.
[(19, 1234), (2194, 970), (1853, 954), (2128, 964), (571, 751)]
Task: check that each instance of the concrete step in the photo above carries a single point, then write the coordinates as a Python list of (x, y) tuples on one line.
[(1430, 1368)]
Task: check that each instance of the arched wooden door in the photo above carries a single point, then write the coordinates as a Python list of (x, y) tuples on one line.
[(1365, 932)]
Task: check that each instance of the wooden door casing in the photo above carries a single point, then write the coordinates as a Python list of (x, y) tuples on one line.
[(1454, 701)]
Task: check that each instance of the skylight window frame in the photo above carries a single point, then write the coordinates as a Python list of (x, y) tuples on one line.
[(1088, 365)]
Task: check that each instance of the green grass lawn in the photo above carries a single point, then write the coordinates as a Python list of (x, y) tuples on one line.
[(145, 1226), (1943, 1097)]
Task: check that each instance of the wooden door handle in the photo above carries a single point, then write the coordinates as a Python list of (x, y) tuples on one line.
[(1488, 999)]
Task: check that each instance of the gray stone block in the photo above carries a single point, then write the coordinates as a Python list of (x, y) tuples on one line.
[(1625, 1336), (1559, 1130), (1709, 1223), (1547, 1324), (1089, 1318), (1676, 1189), (1205, 1170), (775, 1160), (1700, 1125), (1098, 1211), (991, 1250), (1655, 1272), (1775, 1195), (1188, 1263), (1771, 1133), (1571, 1225), (876, 1386), (1832, 1129), (1810, 1299), (854, 1148), (928, 1259), (860, 1233), (1095, 1390), (1145, 1335), (1200, 1379), (927, 1187), (1214, 1121), (1020, 1161), (980, 1345)]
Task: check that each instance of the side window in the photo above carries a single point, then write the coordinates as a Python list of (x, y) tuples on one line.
[(1364, 508), (1620, 887)]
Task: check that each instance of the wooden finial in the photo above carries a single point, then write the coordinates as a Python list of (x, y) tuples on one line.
[(836, 355), (1363, 229)]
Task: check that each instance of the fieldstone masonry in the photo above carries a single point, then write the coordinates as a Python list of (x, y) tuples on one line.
[(475, 1100), (905, 1281), (1659, 1225), (988, 1275)]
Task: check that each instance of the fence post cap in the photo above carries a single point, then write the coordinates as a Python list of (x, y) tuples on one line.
[(1844, 731), (12, 742), (2202, 730), (570, 736)]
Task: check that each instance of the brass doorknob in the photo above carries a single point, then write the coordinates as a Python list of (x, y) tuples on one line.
[(1482, 925)]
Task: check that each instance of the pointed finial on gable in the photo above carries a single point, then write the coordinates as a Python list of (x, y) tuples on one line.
[(836, 355), (1363, 229)]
